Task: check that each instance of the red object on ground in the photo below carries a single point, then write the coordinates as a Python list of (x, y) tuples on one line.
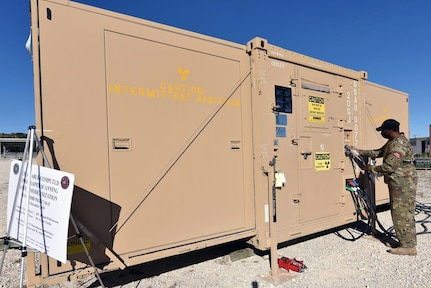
[(291, 264)]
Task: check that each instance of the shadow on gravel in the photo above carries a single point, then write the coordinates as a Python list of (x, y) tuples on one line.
[(386, 235), (349, 232), (360, 228), (157, 267)]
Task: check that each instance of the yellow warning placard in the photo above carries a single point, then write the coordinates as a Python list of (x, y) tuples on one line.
[(316, 119), (316, 109), (75, 246), (322, 161)]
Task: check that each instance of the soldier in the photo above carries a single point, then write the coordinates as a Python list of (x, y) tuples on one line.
[(400, 175)]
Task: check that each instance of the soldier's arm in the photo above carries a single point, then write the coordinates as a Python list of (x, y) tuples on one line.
[(390, 163), (377, 153)]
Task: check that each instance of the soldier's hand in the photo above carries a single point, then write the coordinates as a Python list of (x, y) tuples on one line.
[(353, 150)]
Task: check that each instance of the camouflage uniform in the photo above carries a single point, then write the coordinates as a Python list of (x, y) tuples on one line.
[(401, 177)]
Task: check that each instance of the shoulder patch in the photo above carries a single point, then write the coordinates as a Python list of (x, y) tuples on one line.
[(397, 154)]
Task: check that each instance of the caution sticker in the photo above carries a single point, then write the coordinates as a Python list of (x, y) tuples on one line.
[(316, 109), (75, 246), (322, 161)]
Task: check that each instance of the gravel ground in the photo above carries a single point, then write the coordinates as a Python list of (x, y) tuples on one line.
[(340, 258)]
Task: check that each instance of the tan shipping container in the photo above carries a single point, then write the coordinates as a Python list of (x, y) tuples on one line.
[(179, 141)]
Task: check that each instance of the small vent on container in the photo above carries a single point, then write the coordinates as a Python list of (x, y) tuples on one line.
[(235, 145), (121, 143)]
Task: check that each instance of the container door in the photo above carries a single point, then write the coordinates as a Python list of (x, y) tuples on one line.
[(320, 145), (178, 142)]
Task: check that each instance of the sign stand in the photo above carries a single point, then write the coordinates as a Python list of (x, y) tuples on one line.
[(25, 179)]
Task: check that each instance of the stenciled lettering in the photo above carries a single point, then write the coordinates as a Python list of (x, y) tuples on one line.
[(178, 92)]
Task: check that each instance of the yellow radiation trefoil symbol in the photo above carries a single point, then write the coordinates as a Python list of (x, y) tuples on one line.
[(183, 73)]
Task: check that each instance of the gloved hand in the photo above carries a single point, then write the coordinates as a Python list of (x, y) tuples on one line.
[(352, 150)]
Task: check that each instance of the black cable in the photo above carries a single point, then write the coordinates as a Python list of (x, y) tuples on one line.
[(425, 209), (363, 203), (360, 196)]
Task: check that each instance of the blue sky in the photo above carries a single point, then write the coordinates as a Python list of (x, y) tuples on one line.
[(389, 39)]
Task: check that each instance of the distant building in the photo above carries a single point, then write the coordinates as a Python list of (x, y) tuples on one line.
[(421, 145), (11, 145)]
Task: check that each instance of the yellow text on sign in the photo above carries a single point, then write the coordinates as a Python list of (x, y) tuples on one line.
[(322, 161), (316, 109)]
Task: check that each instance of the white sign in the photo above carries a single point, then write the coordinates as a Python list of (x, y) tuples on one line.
[(47, 216)]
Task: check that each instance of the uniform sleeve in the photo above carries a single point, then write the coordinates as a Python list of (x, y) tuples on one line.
[(377, 153), (390, 163)]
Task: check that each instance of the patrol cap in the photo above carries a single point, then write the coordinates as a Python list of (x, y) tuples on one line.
[(389, 124)]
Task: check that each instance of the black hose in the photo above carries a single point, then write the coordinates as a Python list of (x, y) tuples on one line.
[(425, 209), (363, 203), (360, 196)]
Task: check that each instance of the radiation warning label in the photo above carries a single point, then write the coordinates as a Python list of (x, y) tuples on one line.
[(322, 161)]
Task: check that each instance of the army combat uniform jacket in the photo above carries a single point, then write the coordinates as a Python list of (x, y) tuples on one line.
[(397, 167), (401, 177)]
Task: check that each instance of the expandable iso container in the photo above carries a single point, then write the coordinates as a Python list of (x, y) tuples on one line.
[(180, 141)]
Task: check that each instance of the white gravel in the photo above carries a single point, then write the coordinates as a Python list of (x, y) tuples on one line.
[(331, 260)]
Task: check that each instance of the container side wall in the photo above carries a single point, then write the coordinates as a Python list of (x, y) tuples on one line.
[(378, 104), (155, 124)]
